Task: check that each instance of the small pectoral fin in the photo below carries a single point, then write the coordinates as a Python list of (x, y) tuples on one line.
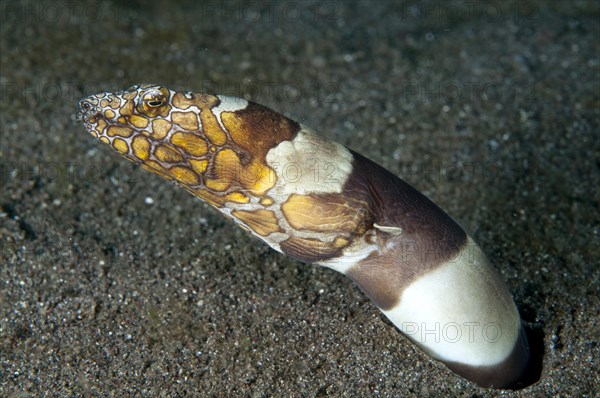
[(388, 229)]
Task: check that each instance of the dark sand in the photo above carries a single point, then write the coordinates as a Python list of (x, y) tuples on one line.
[(114, 282)]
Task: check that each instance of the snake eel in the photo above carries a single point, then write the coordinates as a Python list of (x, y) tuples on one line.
[(320, 202)]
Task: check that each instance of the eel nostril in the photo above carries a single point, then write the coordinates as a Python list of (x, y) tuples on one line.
[(85, 109), (85, 106)]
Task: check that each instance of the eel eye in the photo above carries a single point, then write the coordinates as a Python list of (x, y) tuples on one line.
[(153, 102), (153, 99)]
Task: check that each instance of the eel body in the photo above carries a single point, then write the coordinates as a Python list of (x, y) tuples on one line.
[(319, 202)]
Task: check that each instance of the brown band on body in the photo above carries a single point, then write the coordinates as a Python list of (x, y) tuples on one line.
[(507, 374), (429, 237), (258, 129)]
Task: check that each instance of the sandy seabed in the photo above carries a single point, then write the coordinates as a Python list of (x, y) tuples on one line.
[(116, 283)]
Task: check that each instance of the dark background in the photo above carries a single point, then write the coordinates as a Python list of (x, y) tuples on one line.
[(114, 282)]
